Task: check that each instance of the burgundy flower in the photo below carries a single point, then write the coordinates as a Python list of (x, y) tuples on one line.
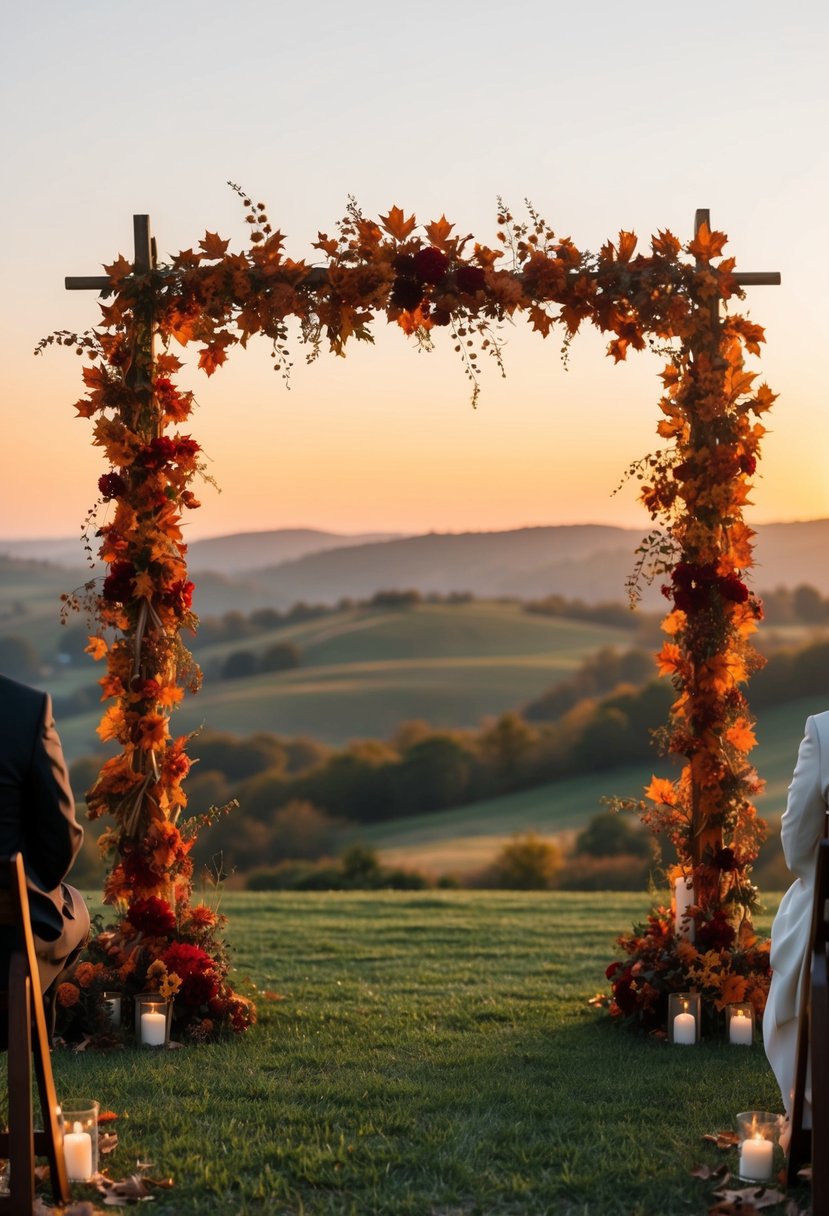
[(732, 588), (404, 265), (152, 916), (406, 293), (431, 265), (715, 934), (186, 448), (748, 464), (441, 316), (158, 452), (470, 279), (197, 989), (186, 960), (726, 861), (111, 485), (118, 588)]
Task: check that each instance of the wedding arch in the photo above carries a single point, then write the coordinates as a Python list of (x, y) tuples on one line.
[(671, 298)]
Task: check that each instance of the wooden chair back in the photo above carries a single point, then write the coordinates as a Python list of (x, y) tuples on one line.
[(811, 1144), (21, 1003)]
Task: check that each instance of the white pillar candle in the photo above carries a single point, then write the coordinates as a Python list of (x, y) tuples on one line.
[(683, 900), (739, 1030), (756, 1158), (685, 1029), (153, 1028), (77, 1150)]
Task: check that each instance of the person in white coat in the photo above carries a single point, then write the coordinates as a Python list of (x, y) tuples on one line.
[(801, 829)]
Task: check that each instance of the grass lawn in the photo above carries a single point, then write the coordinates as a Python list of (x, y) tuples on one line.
[(434, 1054)]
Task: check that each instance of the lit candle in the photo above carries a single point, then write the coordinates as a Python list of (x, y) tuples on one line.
[(685, 1028), (683, 900), (739, 1030), (756, 1158), (153, 1028), (77, 1150)]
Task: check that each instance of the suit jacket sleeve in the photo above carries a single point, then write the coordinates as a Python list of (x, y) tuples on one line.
[(52, 833), (803, 820)]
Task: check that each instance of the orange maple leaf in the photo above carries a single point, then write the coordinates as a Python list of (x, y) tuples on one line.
[(119, 270), (212, 357), (741, 736), (438, 232), (707, 244), (213, 245), (627, 244), (97, 648), (396, 224), (661, 790)]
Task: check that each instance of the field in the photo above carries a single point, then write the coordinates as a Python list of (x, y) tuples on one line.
[(364, 671), (430, 1055), (467, 838)]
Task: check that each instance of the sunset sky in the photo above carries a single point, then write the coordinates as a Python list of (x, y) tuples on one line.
[(604, 116)]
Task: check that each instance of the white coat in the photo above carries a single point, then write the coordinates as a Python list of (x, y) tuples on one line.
[(801, 830)]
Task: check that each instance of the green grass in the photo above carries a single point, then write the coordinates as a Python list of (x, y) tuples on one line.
[(365, 671), (432, 1055)]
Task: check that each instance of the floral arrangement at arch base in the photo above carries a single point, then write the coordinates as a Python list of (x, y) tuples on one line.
[(425, 282)]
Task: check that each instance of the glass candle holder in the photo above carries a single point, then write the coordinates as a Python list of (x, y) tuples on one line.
[(684, 1018), (112, 1002), (758, 1132), (152, 1019), (683, 900), (739, 1022), (79, 1127)]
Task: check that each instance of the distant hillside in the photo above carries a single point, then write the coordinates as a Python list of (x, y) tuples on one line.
[(278, 569), (234, 554)]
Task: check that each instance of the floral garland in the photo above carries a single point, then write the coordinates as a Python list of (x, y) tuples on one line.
[(421, 281)]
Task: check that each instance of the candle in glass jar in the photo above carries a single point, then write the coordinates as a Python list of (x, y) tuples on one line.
[(77, 1150), (756, 1157), (685, 1027), (153, 1028), (739, 1030)]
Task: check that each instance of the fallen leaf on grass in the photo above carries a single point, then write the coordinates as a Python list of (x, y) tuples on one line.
[(719, 1174), (273, 996), (732, 1209), (130, 1190), (107, 1142), (723, 1140), (751, 1198), (108, 1116), (81, 1208)]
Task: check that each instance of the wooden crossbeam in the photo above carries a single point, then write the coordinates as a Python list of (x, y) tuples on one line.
[(146, 259)]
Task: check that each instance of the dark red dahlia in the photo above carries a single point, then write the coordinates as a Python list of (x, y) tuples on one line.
[(431, 265), (118, 588), (470, 279), (111, 485), (152, 916), (406, 293)]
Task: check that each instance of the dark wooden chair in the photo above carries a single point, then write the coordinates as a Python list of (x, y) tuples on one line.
[(23, 1030), (812, 1144)]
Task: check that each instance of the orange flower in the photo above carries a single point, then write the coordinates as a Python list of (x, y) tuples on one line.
[(67, 995)]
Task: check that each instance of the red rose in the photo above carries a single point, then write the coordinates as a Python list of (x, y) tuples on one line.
[(186, 448), (731, 588), (157, 453)]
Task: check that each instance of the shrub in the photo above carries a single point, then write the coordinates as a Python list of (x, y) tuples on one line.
[(527, 863)]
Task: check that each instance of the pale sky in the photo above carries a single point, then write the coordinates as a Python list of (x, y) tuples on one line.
[(606, 117)]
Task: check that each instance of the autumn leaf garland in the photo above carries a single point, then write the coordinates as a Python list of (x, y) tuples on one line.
[(425, 281)]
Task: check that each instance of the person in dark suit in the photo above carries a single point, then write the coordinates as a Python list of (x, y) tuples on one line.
[(37, 818)]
